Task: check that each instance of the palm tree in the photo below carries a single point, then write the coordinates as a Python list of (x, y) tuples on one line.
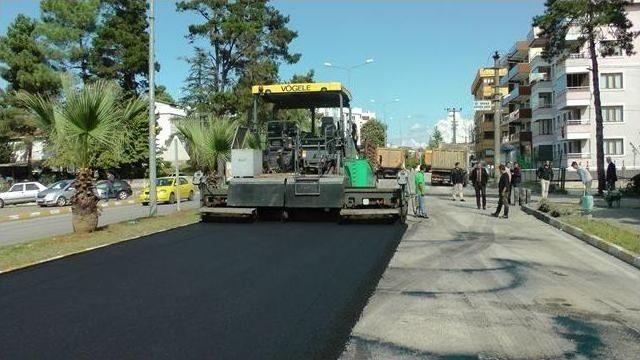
[(80, 126), (209, 142)]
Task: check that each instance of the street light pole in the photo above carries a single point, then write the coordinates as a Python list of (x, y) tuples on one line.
[(348, 69), (496, 115), (153, 204)]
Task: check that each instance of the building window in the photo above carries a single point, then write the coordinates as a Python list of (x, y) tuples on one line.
[(611, 81), (613, 146), (612, 114), (545, 126), (580, 80)]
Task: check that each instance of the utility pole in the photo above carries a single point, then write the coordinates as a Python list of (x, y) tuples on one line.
[(497, 98), (455, 122), (153, 201)]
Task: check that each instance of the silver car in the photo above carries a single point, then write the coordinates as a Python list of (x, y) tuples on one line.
[(21, 193), (57, 194)]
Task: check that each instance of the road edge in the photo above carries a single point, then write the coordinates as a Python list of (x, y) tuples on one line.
[(79, 252), (595, 241)]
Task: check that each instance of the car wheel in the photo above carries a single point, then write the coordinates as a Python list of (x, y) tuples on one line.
[(1, 203), (172, 198), (190, 195), (61, 201), (122, 195)]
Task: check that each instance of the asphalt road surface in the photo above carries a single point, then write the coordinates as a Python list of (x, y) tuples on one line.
[(17, 231), (208, 291), (465, 285)]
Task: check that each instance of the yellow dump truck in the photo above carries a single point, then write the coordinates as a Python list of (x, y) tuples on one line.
[(390, 162), (442, 161)]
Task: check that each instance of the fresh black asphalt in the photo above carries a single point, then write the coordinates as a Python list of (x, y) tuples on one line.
[(206, 291)]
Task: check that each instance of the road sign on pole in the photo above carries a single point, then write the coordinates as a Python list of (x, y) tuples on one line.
[(179, 155)]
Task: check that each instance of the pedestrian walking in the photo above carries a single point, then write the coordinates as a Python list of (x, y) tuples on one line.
[(457, 179), (516, 185), (479, 179), (612, 177), (503, 188), (545, 174), (421, 188), (585, 177)]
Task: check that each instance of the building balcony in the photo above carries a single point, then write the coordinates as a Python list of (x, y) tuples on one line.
[(575, 130), (534, 39), (574, 156), (517, 116), (487, 126), (518, 72), (519, 51), (488, 91), (574, 97), (519, 93), (577, 60), (518, 137)]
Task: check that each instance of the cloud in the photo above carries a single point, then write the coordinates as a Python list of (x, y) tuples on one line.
[(416, 127), (464, 128)]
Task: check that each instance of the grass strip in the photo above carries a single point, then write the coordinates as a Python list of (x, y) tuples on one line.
[(24, 254), (619, 235)]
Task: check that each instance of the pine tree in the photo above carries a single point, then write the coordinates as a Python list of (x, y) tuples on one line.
[(121, 47), (67, 29)]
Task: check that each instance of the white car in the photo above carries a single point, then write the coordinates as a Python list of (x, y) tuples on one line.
[(20, 193)]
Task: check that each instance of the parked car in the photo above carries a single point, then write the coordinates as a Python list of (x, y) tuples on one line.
[(21, 193), (118, 189), (166, 190), (56, 194)]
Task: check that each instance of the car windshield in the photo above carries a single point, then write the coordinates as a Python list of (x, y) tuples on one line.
[(59, 185), (102, 185), (164, 182)]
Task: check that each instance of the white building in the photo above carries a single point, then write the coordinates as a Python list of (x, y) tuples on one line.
[(166, 114), (569, 126), (358, 115)]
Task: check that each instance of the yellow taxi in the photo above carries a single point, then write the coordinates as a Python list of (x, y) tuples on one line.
[(167, 191)]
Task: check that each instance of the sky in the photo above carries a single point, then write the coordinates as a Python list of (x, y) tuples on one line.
[(426, 53)]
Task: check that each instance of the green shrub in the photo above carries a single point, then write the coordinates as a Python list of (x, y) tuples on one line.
[(544, 206)]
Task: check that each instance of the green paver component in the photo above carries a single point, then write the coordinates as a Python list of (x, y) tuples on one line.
[(360, 173)]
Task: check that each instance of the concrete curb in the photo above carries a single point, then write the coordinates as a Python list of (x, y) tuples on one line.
[(59, 211), (611, 249), (62, 256)]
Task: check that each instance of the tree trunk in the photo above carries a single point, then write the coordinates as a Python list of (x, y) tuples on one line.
[(595, 73), (29, 158), (84, 203)]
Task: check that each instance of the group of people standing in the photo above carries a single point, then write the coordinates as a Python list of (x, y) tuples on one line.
[(509, 183)]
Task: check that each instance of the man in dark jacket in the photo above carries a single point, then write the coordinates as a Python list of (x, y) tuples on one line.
[(479, 178), (503, 190), (516, 185), (612, 177), (545, 174), (457, 179)]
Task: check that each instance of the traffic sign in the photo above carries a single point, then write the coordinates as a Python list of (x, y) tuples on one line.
[(482, 105)]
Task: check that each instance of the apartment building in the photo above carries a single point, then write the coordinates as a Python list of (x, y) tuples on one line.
[(549, 111), (573, 125), (483, 89), (517, 142)]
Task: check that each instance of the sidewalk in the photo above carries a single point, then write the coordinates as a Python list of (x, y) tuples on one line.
[(628, 214)]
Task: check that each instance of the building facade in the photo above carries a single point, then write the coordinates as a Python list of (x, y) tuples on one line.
[(549, 111), (483, 88)]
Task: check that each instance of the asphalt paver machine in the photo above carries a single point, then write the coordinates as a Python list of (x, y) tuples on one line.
[(317, 169)]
